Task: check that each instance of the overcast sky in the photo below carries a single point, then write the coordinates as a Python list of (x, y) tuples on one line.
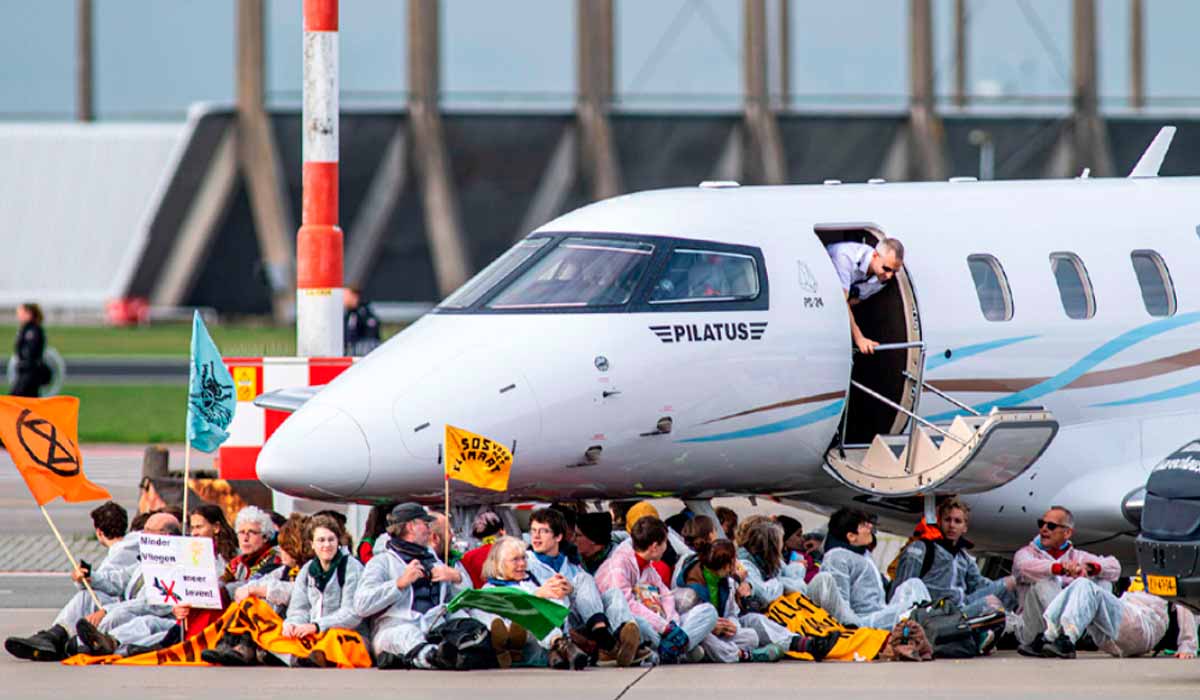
[(154, 57)]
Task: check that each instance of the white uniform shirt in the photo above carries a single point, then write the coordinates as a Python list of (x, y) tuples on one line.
[(853, 264)]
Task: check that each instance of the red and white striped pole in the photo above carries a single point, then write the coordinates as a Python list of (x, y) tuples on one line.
[(319, 243)]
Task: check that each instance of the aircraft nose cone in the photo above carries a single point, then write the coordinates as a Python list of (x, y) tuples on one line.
[(318, 452)]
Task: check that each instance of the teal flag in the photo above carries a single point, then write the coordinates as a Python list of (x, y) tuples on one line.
[(211, 393), (535, 614)]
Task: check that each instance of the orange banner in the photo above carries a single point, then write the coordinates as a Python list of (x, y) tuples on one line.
[(802, 616), (343, 648), (41, 436)]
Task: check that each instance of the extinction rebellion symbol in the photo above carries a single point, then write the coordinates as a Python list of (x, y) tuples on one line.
[(46, 449)]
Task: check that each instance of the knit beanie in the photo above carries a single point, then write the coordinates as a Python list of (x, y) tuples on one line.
[(597, 527), (638, 511)]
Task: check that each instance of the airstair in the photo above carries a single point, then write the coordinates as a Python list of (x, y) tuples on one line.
[(975, 452)]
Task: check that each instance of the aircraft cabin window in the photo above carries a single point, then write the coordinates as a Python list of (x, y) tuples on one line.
[(491, 275), (1074, 285), (704, 275), (991, 286), (579, 272), (1158, 294)]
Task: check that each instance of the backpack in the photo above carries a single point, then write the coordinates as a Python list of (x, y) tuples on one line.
[(947, 628), (471, 638), (907, 642)]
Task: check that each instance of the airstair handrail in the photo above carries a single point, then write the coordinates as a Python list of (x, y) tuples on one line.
[(874, 394), (944, 395)]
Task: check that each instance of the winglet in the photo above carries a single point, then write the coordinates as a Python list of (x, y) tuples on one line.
[(1151, 160)]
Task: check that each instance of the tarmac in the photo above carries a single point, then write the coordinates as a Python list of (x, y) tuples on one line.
[(33, 585), (1093, 676)]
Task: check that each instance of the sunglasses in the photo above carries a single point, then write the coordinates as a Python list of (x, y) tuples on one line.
[(1048, 525)]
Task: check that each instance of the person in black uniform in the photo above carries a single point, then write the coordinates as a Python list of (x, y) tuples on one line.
[(32, 372), (362, 325)]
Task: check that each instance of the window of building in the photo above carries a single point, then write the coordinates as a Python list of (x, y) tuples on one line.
[(1074, 285), (579, 272), (991, 286), (702, 275), (1158, 294)]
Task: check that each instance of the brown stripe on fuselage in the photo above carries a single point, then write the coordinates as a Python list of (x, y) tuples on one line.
[(1010, 385), (782, 404)]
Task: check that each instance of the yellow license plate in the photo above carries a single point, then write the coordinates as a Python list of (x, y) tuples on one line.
[(1161, 585)]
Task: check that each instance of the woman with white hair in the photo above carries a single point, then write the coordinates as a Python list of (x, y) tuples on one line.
[(256, 557), (506, 567)]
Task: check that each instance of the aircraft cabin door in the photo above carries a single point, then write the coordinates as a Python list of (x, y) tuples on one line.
[(884, 447)]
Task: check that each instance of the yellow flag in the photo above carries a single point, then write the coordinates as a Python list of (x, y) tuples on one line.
[(477, 460)]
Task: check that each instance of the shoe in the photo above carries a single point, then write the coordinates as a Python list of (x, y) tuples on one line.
[(266, 658), (589, 646), (564, 655), (769, 653), (1033, 648), (816, 647), (694, 656), (98, 642), (137, 650), (518, 637), (987, 642), (47, 645), (237, 650), (628, 639), (498, 634), (1060, 648), (386, 661)]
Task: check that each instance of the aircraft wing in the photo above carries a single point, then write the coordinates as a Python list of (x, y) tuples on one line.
[(288, 400)]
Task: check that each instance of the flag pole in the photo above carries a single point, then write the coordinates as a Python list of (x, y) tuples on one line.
[(446, 533), (71, 557), (187, 470)]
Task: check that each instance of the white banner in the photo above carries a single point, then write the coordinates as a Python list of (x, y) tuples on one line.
[(180, 571)]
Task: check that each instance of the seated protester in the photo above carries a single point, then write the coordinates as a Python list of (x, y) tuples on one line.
[(374, 529), (629, 571), (594, 540), (676, 548), (209, 521), (133, 625), (108, 580), (729, 522), (760, 551), (615, 646), (256, 555), (347, 540), (403, 592), (1135, 624), (570, 519), (486, 528), (793, 546), (714, 574), (439, 532), (1044, 567), (948, 570), (294, 550), (323, 597), (507, 567), (858, 597)]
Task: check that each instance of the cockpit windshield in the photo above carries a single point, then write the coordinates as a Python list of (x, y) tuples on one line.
[(579, 272), (491, 275)]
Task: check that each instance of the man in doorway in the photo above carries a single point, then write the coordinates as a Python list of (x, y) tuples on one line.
[(864, 271)]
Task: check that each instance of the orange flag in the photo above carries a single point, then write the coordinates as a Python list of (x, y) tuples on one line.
[(42, 438)]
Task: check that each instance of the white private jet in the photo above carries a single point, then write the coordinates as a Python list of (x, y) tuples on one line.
[(1040, 347)]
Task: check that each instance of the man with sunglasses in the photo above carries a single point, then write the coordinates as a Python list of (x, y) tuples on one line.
[(863, 271), (1043, 568)]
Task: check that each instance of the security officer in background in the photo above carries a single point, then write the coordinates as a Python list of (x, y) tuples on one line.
[(864, 271), (32, 372), (362, 325)]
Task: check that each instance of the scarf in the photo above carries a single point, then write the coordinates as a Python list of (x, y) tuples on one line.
[(713, 581), (505, 583), (592, 564), (554, 562), (1056, 553), (423, 592), (833, 542), (321, 576), (261, 562)]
